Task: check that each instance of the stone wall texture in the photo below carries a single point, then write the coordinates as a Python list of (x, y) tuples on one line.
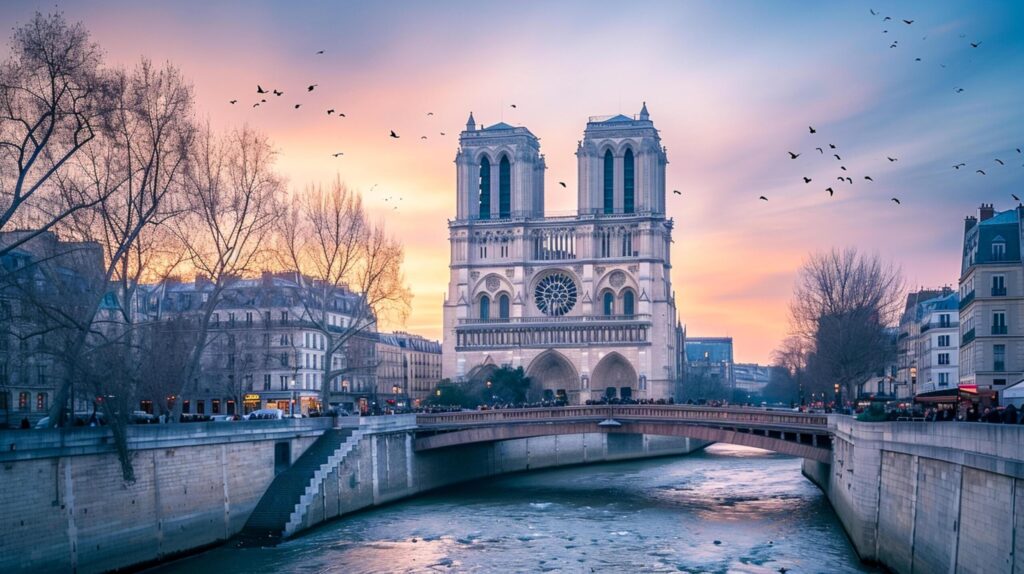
[(928, 497)]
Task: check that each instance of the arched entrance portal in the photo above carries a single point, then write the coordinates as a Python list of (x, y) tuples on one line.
[(552, 376), (614, 377)]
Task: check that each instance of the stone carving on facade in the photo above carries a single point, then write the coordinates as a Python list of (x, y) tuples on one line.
[(510, 273), (528, 271), (599, 269), (578, 269), (493, 283), (618, 279), (634, 269), (474, 275)]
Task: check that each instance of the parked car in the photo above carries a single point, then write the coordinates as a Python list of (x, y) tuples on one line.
[(266, 414), (223, 418), (81, 419)]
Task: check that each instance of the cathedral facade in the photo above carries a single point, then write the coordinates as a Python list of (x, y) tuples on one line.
[(584, 303)]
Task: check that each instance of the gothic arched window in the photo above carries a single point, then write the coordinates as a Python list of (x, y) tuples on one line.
[(608, 304), (485, 188), (609, 182), (504, 188), (628, 184), (485, 307), (503, 306), (628, 302)]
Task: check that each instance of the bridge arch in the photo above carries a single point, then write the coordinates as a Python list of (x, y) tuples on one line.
[(614, 376), (552, 374)]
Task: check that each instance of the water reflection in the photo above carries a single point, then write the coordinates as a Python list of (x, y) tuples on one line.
[(728, 509)]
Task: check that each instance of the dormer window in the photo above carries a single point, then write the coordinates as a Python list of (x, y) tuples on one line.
[(998, 248)]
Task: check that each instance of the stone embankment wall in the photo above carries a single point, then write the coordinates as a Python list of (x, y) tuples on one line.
[(928, 497), (66, 508)]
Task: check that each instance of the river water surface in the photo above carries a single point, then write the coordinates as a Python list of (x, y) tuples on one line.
[(726, 509)]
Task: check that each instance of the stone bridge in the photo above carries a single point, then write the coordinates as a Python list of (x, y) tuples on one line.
[(797, 434)]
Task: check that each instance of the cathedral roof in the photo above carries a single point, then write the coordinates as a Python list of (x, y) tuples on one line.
[(499, 126), (617, 118)]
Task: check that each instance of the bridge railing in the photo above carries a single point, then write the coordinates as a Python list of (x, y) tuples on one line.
[(662, 412)]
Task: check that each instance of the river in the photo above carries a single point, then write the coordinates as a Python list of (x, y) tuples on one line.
[(726, 509)]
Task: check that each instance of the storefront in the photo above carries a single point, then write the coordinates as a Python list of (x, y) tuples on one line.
[(250, 403), (291, 402)]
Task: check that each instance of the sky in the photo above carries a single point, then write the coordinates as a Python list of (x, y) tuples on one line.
[(732, 87)]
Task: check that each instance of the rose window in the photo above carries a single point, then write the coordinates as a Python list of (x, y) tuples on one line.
[(555, 294)]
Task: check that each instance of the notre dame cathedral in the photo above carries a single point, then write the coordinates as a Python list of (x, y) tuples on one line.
[(584, 303)]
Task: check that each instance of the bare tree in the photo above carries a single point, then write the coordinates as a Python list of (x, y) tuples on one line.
[(349, 270), (843, 302), (233, 201), (50, 101)]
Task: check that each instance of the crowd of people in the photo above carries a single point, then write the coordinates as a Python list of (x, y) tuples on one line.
[(1009, 415)]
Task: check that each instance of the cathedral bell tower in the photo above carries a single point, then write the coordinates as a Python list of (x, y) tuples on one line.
[(500, 173), (621, 166)]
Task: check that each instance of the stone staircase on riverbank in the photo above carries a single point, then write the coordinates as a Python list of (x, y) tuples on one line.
[(280, 511)]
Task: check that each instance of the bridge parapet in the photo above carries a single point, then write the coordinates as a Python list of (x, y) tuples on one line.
[(662, 412)]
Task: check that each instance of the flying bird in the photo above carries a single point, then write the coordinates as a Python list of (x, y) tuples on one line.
[(763, 198), (831, 146), (959, 165), (256, 104), (807, 180), (330, 111), (233, 102), (311, 86), (278, 93), (513, 106), (830, 191), (975, 44), (442, 133), (430, 113), (1018, 150), (842, 167), (979, 171), (423, 137), (793, 155), (339, 154), (813, 131), (868, 177), (393, 134), (561, 183), (1014, 196), (841, 178), (320, 52), (821, 151), (849, 180), (896, 201), (908, 22), (837, 156), (917, 59), (260, 90), (999, 161), (959, 90), (887, 18), (872, 10), (677, 192), (297, 106), (891, 158), (893, 45)]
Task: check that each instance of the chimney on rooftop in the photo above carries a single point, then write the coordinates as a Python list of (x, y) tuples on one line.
[(986, 211), (969, 222)]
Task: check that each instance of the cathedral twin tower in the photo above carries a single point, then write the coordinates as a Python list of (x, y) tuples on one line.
[(584, 303)]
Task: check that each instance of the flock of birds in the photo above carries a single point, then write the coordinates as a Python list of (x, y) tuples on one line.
[(843, 175)]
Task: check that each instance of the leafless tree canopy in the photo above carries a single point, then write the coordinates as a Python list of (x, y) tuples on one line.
[(842, 304), (51, 92), (330, 243)]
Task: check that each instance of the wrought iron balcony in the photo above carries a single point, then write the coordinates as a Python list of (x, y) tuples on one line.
[(998, 329), (966, 300), (967, 337)]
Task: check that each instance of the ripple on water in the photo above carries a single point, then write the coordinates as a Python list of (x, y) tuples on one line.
[(646, 516)]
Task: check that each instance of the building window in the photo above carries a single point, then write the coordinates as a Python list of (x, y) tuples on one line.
[(284, 317), (42, 402), (485, 307), (998, 251), (266, 382), (23, 401), (998, 358), (943, 379), (998, 381), (944, 320), (943, 340), (200, 407), (503, 304), (504, 188), (628, 302), (608, 304), (628, 182), (186, 406), (3, 400), (999, 323), (943, 358), (609, 182), (215, 406), (998, 285), (485, 188), (248, 318)]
